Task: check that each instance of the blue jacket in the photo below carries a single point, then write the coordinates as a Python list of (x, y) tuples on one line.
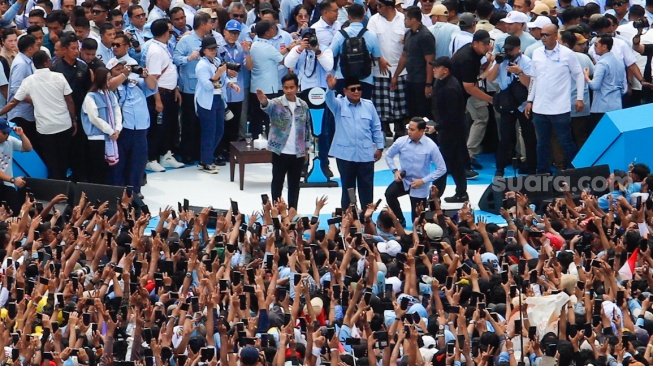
[(102, 108), (204, 86)]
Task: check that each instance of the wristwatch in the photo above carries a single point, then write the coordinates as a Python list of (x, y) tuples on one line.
[(13, 180)]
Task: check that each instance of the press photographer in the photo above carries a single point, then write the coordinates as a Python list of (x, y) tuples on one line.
[(512, 70), (309, 62)]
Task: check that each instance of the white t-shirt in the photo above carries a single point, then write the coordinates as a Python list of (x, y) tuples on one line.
[(159, 62), (391, 37), (289, 148), (47, 90), (7, 149)]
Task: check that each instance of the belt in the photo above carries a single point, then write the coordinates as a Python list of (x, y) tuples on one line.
[(166, 90)]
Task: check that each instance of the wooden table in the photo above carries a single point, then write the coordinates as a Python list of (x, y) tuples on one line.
[(243, 155)]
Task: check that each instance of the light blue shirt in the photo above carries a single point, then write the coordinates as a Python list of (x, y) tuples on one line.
[(443, 33), (585, 62), (265, 73), (287, 7), (186, 45), (280, 41), (234, 54), (21, 68), (156, 14), (141, 36), (525, 38), (358, 129), (608, 84), (205, 70), (507, 8), (530, 49), (370, 40), (133, 103), (416, 159), (103, 53), (524, 62)]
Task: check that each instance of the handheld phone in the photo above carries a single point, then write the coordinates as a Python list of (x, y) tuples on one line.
[(551, 349), (286, 318), (249, 289), (334, 220), (381, 338), (339, 211), (450, 348), (588, 330), (174, 214), (305, 221), (510, 234), (264, 199), (86, 318), (297, 279), (15, 337), (620, 297), (426, 299), (504, 277), (449, 282), (518, 326), (234, 207), (367, 297), (351, 192), (453, 309), (235, 278), (186, 204), (532, 331), (416, 318), (352, 341), (15, 353), (319, 235), (264, 340), (513, 290), (404, 303), (533, 276), (314, 220), (129, 191), (420, 250), (243, 301), (147, 335), (638, 202), (333, 256), (207, 353)]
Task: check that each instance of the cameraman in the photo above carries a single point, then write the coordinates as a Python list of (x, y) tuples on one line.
[(132, 86), (647, 51), (512, 66)]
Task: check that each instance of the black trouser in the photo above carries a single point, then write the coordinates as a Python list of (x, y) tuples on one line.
[(190, 129), (508, 140), (164, 137), (286, 165), (454, 152), (356, 174), (12, 197), (593, 121), (231, 129), (77, 155), (416, 101), (257, 117), (392, 194), (97, 166), (56, 152)]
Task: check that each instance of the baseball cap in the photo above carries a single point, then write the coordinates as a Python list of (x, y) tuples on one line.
[(429, 341), (4, 126), (209, 42), (482, 36), (511, 42), (552, 4), (434, 231), (249, 354), (515, 17), (387, 2), (439, 9), (391, 248), (580, 39), (265, 6), (208, 11), (539, 22), (467, 20), (234, 26), (114, 62), (540, 9)]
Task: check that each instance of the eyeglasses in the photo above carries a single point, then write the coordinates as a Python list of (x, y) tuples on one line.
[(98, 11), (545, 35), (354, 89), (118, 22), (302, 15), (242, 16), (139, 16), (117, 45), (428, 1)]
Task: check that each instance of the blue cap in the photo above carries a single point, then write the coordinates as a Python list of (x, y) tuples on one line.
[(249, 355), (234, 26), (4, 126)]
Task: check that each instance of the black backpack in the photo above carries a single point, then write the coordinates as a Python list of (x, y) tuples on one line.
[(355, 58)]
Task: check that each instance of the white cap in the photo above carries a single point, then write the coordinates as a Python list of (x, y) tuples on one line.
[(429, 342), (391, 248), (434, 231), (114, 62), (515, 17), (539, 22)]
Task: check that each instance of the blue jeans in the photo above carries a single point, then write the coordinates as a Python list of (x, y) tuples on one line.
[(353, 174), (211, 128), (544, 126), (132, 147)]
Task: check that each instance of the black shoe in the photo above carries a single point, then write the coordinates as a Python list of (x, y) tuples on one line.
[(327, 171), (475, 164), (188, 160), (471, 174), (499, 173), (457, 199), (220, 161), (140, 195)]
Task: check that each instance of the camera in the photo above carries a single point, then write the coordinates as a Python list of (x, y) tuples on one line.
[(134, 42), (232, 66), (311, 37), (138, 70), (84, 271), (500, 57), (641, 24)]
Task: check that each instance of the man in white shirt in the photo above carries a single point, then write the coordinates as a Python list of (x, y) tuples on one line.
[(554, 67), (54, 112), (388, 25), (328, 25), (190, 9), (162, 138)]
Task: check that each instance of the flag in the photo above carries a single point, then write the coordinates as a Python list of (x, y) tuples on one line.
[(543, 312), (628, 269)]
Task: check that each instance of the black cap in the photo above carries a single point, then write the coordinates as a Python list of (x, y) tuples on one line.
[(511, 43), (209, 42), (443, 61), (352, 80), (482, 36)]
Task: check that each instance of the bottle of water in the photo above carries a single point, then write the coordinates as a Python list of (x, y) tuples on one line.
[(264, 136), (159, 118)]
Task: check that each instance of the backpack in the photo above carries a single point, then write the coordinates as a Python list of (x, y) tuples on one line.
[(355, 58)]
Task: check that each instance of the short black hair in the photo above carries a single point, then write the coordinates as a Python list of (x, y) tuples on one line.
[(356, 11), (600, 23), (67, 38), (590, 9), (289, 77), (274, 13), (637, 11), (262, 27), (115, 13), (159, 27), (25, 42), (123, 37), (606, 40), (325, 5), (175, 10), (568, 38), (89, 44), (82, 22), (102, 4), (413, 12), (40, 59), (33, 29), (37, 13), (130, 11), (201, 19), (105, 27), (421, 124), (58, 16), (641, 170), (484, 9)]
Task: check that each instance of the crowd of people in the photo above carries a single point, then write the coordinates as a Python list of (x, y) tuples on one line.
[(104, 91)]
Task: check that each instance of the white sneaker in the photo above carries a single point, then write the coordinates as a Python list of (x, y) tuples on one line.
[(168, 161), (209, 168), (154, 166)]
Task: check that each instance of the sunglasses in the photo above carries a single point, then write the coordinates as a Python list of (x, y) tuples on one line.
[(619, 4), (354, 89), (302, 15), (138, 16), (428, 1), (118, 22), (117, 45), (97, 11), (545, 35), (242, 16)]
